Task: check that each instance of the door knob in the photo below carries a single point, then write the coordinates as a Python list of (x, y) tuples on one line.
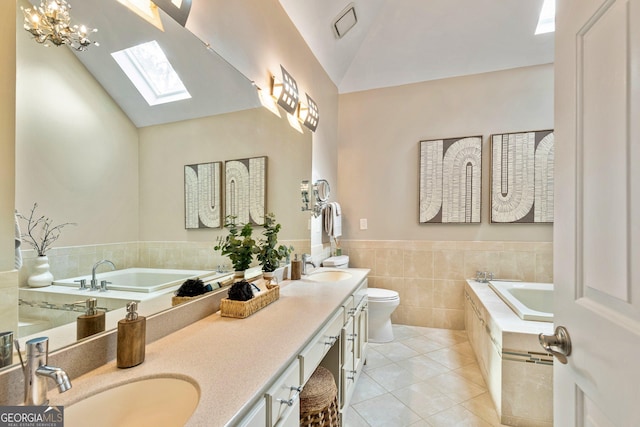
[(558, 344)]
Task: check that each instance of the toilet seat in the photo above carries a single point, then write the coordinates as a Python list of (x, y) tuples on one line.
[(377, 294)]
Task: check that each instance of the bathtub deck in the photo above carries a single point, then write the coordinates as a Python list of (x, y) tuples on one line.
[(518, 372)]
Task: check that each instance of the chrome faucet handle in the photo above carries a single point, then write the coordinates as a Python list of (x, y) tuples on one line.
[(103, 285), (83, 284)]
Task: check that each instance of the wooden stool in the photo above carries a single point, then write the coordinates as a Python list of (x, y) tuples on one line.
[(319, 401)]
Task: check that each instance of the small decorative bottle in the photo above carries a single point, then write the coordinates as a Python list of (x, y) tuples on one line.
[(131, 338), (91, 322)]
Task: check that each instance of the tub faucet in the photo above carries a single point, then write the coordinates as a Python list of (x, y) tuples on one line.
[(37, 371), (484, 276), (306, 259), (94, 282)]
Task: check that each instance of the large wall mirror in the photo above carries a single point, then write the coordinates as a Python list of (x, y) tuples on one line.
[(90, 150)]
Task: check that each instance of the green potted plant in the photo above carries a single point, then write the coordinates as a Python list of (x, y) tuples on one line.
[(239, 245), (269, 253)]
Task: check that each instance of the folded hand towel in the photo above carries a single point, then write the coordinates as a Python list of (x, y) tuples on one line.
[(333, 219)]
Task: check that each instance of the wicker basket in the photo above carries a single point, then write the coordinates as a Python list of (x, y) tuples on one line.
[(319, 401), (242, 309), (179, 300)]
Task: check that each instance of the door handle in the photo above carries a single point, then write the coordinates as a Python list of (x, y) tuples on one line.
[(558, 344)]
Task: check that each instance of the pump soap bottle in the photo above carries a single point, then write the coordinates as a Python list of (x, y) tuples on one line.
[(131, 338), (91, 322), (296, 268)]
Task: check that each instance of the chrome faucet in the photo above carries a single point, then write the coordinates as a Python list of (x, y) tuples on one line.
[(94, 282), (37, 371), (484, 276), (306, 259)]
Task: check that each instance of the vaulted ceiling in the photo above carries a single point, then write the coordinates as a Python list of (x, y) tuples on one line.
[(397, 42)]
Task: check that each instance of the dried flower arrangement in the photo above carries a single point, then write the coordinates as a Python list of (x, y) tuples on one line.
[(41, 233)]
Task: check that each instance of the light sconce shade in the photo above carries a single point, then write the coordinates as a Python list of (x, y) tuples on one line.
[(51, 22), (308, 114), (285, 92)]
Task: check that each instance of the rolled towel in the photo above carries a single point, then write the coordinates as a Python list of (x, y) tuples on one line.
[(18, 240)]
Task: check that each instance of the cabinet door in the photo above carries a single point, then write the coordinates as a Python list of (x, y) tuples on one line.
[(283, 396), (362, 337), (257, 417), (347, 372)]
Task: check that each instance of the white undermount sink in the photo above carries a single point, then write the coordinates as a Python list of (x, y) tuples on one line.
[(328, 276), (158, 401)]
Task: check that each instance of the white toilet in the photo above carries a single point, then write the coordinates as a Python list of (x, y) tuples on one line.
[(382, 302)]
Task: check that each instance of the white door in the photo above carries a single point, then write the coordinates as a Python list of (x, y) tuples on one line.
[(597, 214)]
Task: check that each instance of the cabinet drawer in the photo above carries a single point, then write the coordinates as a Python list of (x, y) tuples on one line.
[(283, 396), (311, 356), (348, 306)]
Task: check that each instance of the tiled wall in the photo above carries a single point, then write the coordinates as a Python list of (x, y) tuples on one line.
[(77, 260), (8, 300), (430, 275)]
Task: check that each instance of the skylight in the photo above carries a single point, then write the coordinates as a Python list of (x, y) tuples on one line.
[(547, 20), (151, 72)]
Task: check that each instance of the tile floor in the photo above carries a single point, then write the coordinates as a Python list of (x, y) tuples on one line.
[(424, 377)]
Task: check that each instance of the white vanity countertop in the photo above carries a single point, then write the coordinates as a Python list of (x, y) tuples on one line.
[(232, 360)]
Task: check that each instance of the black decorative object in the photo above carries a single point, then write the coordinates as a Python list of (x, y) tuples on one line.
[(193, 288), (240, 291)]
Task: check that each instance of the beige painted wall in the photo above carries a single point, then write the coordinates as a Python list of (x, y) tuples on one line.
[(165, 149), (379, 134), (76, 151), (7, 132)]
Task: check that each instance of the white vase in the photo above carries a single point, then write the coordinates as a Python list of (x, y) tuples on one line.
[(41, 276)]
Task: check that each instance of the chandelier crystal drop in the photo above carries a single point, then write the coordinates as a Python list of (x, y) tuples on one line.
[(50, 23)]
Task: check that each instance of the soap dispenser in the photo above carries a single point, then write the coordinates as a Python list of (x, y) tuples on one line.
[(296, 268), (131, 338), (91, 322)]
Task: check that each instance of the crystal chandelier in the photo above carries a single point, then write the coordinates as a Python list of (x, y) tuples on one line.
[(50, 22)]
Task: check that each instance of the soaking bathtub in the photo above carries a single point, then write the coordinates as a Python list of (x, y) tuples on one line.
[(139, 279), (517, 371), (530, 301)]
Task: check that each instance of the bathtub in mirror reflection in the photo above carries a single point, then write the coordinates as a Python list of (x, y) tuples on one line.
[(529, 300), (42, 309)]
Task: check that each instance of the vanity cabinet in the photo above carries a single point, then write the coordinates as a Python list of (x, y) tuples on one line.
[(354, 339), (283, 398)]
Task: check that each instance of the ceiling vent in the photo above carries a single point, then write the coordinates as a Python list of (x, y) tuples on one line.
[(345, 21)]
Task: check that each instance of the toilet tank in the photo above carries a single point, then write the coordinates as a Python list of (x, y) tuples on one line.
[(340, 261)]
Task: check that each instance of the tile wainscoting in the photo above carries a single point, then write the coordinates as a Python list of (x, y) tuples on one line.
[(430, 275)]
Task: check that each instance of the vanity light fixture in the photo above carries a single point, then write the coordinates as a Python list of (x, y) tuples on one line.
[(308, 114), (145, 9), (51, 22), (285, 91)]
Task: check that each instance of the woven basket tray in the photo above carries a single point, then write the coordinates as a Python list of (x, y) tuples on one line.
[(242, 309)]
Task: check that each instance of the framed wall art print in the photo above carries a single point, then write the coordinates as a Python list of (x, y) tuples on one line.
[(245, 189), (522, 177), (202, 195), (450, 180)]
